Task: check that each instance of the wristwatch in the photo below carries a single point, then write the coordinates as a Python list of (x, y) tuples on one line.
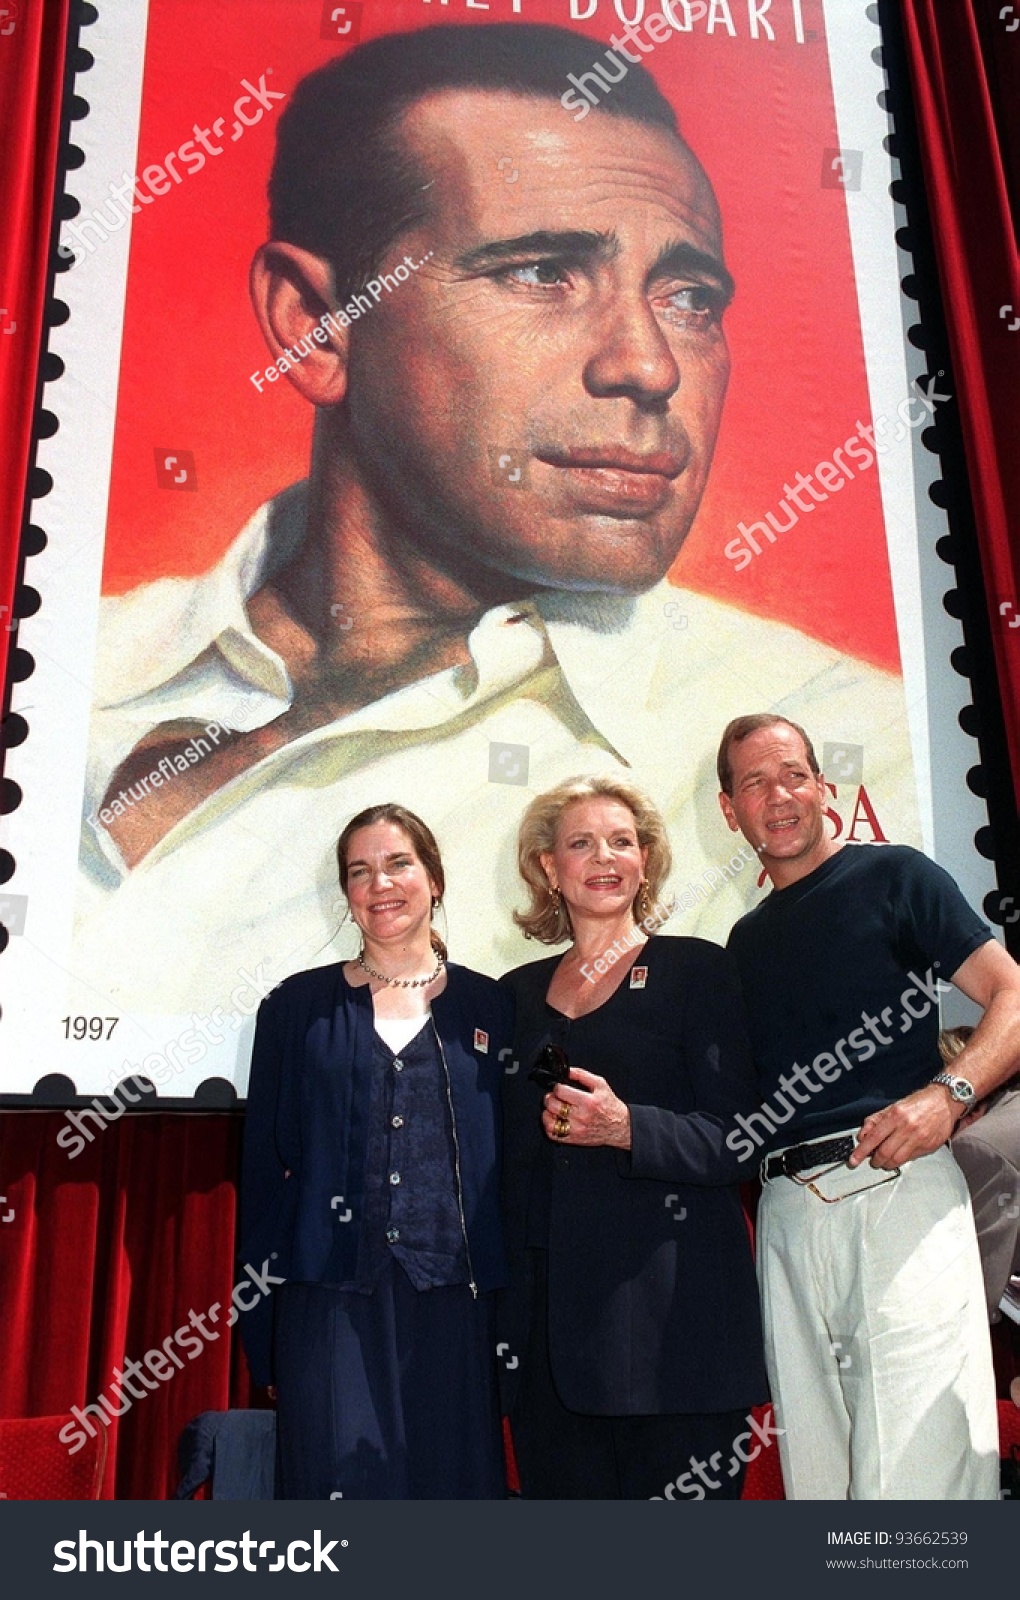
[(961, 1089)]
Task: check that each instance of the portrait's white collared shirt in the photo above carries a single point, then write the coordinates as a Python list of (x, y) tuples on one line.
[(556, 687)]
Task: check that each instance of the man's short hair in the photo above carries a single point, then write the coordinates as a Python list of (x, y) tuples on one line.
[(741, 728), (342, 187)]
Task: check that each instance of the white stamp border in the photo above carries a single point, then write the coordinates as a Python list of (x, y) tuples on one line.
[(43, 833)]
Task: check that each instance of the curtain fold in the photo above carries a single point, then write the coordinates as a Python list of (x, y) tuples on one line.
[(964, 74), (106, 1257), (33, 37)]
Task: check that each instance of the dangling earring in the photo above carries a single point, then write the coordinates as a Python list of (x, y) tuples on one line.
[(644, 900), (435, 905), (554, 896)]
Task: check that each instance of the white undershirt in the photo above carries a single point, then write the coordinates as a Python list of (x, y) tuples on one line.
[(399, 1031)]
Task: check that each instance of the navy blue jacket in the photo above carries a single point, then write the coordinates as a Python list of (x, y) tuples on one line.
[(652, 1299), (306, 1127)]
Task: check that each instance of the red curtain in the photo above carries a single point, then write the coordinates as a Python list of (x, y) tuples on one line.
[(964, 59), (103, 1258), (32, 46)]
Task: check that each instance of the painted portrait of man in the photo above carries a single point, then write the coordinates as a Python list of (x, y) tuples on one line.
[(517, 388)]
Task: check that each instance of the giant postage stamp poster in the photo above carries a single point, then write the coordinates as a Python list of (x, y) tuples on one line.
[(458, 397)]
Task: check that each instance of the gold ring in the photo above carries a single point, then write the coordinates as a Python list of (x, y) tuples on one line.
[(562, 1125)]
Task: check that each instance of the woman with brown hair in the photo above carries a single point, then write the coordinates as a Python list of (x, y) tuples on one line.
[(632, 1321), (370, 1184)]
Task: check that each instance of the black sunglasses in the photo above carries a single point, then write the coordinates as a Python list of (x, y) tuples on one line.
[(552, 1067)]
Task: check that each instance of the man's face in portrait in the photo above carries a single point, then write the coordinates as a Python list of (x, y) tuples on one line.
[(540, 400)]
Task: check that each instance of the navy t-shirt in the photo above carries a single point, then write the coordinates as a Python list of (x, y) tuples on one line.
[(867, 935)]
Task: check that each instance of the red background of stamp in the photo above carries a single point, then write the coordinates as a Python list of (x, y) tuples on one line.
[(759, 115)]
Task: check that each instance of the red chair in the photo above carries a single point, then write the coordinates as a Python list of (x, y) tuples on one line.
[(1009, 1427), (34, 1465), (764, 1478)]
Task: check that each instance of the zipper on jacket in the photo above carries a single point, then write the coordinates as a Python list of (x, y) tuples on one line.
[(472, 1285)]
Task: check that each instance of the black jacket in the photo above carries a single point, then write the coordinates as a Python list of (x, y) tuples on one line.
[(653, 1304), (305, 1131)]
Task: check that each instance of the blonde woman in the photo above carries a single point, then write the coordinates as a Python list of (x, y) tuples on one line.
[(633, 1313)]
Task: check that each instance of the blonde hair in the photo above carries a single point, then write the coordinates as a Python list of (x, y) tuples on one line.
[(547, 918), (952, 1041)]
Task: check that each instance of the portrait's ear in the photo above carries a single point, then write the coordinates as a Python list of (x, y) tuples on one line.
[(547, 861), (726, 807), (292, 291)]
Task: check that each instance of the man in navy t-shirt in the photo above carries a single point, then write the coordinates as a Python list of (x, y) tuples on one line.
[(873, 1304)]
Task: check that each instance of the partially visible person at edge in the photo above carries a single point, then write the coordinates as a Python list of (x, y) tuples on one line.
[(986, 1144), (873, 1304), (370, 1179), (633, 1312)]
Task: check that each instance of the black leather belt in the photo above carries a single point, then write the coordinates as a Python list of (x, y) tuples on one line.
[(804, 1157)]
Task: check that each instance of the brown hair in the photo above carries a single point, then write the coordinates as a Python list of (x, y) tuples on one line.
[(741, 728), (422, 839), (547, 918)]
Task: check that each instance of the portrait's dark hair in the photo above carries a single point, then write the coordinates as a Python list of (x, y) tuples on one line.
[(342, 187), (741, 728), (422, 839)]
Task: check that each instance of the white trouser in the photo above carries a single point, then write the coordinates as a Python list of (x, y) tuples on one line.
[(876, 1336)]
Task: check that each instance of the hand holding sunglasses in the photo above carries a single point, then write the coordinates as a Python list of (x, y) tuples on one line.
[(552, 1067)]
